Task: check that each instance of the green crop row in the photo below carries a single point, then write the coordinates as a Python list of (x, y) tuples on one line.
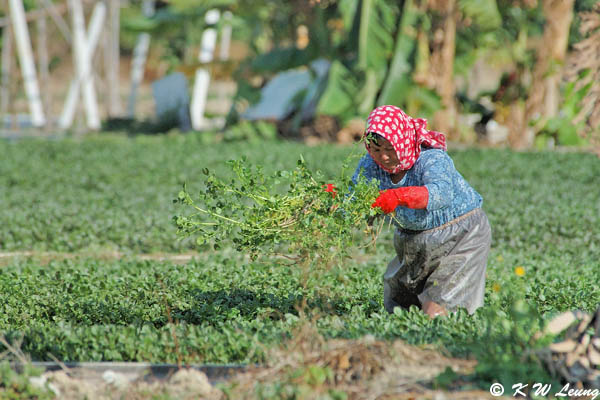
[(114, 193)]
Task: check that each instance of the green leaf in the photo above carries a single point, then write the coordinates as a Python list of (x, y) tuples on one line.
[(138, 24), (378, 22), (340, 93), (368, 92), (483, 12), (348, 9)]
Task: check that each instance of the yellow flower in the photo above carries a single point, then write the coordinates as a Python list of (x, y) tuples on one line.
[(520, 271), (496, 287)]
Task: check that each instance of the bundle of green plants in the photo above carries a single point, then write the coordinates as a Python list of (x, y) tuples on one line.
[(295, 214)]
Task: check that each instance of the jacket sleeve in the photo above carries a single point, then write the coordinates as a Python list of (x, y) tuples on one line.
[(436, 175)]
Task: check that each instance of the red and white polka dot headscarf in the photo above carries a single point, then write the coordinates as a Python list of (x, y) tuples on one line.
[(406, 134)]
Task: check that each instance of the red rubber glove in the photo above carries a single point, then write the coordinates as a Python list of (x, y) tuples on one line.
[(330, 188), (409, 196)]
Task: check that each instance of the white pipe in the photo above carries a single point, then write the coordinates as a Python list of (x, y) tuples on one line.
[(83, 53), (207, 49), (26, 60), (200, 92), (198, 102)]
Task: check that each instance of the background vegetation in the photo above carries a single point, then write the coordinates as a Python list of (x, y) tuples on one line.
[(517, 72), (523, 64)]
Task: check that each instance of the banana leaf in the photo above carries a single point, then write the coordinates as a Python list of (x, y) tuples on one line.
[(376, 36), (340, 93), (377, 27), (400, 69)]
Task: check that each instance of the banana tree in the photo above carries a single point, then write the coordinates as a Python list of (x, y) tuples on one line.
[(398, 44), (544, 95), (385, 34), (409, 53), (353, 86)]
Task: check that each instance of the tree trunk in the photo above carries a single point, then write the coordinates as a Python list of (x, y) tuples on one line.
[(544, 95), (442, 67), (585, 57)]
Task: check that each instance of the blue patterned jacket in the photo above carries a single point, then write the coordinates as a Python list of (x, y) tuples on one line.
[(450, 195)]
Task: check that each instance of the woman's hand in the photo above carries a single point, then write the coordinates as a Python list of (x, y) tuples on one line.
[(415, 197)]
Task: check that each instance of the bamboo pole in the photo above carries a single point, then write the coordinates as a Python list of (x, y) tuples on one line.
[(35, 14), (17, 13), (55, 13), (111, 59), (83, 50)]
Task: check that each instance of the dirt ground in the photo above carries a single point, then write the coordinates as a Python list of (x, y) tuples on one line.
[(363, 369)]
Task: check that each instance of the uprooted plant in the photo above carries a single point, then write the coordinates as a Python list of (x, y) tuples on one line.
[(294, 214)]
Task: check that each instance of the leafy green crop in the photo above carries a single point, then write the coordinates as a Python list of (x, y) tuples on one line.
[(309, 221), (112, 193)]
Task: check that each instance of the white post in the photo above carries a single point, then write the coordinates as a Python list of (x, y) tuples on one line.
[(32, 89), (139, 59), (83, 50), (225, 36), (207, 49)]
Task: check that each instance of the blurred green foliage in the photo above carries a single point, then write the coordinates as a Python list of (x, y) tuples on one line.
[(565, 127)]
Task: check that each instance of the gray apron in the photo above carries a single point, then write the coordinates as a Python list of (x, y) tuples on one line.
[(445, 265)]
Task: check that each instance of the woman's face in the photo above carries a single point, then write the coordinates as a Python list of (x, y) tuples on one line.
[(383, 153)]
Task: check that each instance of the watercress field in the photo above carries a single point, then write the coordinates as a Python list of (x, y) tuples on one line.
[(94, 197)]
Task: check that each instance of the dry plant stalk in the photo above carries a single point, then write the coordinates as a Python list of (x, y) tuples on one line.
[(364, 368)]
